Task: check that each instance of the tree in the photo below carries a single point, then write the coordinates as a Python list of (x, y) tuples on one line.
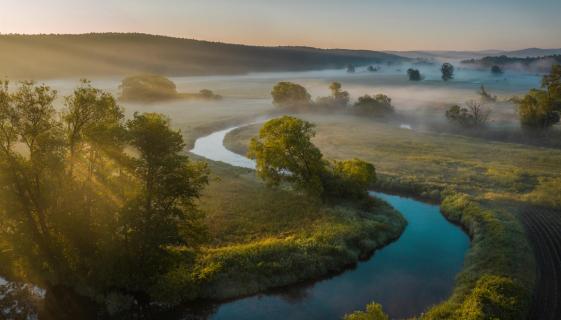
[(284, 152), (447, 71), (540, 109), (496, 70), (378, 106), (93, 119), (372, 69), (337, 99), (486, 96), (288, 94), (552, 83), (535, 110), (414, 74), (350, 68), (473, 115)]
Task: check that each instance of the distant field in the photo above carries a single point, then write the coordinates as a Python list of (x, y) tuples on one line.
[(490, 170)]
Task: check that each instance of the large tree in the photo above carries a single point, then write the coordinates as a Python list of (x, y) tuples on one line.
[(288, 94), (284, 152)]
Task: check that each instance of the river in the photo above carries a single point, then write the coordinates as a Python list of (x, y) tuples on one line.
[(406, 277)]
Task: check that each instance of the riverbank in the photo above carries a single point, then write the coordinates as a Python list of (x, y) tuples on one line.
[(480, 191), (263, 238)]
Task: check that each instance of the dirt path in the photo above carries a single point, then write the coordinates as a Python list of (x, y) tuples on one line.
[(544, 230)]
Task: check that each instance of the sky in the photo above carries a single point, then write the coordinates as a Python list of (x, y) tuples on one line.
[(353, 24)]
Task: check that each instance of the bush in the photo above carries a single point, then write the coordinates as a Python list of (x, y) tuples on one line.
[(147, 88), (378, 106), (288, 94), (373, 312), (413, 74), (494, 297)]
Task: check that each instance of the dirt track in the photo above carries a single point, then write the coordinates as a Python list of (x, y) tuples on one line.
[(544, 230)]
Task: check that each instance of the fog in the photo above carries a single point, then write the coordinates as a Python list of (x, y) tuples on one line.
[(415, 100)]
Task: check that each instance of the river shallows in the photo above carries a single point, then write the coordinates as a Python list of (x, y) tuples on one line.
[(406, 277)]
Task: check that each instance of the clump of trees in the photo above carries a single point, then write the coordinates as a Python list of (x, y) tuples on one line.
[(294, 96), (414, 74), (472, 115), (541, 108), (378, 105), (81, 213), (373, 69), (338, 98), (447, 71), (284, 153), (152, 88)]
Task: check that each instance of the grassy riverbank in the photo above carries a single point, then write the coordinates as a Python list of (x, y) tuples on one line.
[(261, 238), (482, 185)]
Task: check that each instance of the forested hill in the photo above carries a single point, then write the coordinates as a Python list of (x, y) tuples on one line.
[(47, 56)]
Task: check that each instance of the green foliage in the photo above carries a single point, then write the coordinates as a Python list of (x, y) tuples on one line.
[(338, 100), (546, 193), (291, 95), (377, 106), (147, 88), (284, 152), (536, 111), (65, 214), (495, 297), (413, 74), (490, 286), (540, 109), (349, 179), (447, 71), (373, 312)]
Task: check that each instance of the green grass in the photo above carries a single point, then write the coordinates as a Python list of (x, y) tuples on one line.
[(481, 186), (262, 238)]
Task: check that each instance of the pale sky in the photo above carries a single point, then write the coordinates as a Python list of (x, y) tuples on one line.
[(353, 24)]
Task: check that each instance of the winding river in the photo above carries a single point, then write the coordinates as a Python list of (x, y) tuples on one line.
[(406, 277)]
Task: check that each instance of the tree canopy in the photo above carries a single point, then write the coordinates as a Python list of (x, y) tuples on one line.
[(378, 105), (447, 71), (284, 152), (288, 94), (78, 210), (413, 74), (541, 108), (474, 114)]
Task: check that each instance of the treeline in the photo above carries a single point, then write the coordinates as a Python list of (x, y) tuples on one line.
[(543, 62), (103, 54), (294, 97), (90, 201)]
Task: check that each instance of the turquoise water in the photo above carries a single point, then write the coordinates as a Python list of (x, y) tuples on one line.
[(406, 277)]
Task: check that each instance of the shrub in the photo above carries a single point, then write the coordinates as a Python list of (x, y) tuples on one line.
[(377, 106), (288, 94), (373, 312), (413, 74)]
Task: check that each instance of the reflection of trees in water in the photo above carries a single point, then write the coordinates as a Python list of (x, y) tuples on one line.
[(18, 301)]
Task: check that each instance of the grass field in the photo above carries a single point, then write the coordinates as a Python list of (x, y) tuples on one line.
[(483, 186), (262, 238)]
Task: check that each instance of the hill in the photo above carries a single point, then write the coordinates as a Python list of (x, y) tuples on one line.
[(104, 54), (536, 64), (529, 52)]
